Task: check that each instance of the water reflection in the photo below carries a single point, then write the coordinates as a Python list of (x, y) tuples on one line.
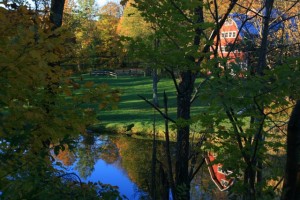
[(126, 162), (98, 159), (87, 153)]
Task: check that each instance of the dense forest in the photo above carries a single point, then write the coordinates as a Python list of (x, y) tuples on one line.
[(232, 67)]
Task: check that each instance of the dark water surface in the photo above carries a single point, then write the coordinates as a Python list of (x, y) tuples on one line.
[(125, 162)]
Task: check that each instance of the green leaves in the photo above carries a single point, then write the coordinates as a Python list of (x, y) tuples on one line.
[(40, 108)]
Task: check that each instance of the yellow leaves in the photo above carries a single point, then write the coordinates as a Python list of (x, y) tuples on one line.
[(59, 50), (23, 10), (12, 53), (35, 54), (3, 13), (52, 57)]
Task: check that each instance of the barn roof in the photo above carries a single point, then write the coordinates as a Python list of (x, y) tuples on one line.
[(250, 27), (247, 27)]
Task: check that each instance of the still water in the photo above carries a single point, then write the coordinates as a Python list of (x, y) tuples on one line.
[(124, 162)]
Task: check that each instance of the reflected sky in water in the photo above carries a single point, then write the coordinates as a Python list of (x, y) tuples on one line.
[(106, 173), (111, 159), (114, 175)]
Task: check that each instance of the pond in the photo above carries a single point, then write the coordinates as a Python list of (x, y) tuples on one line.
[(125, 162)]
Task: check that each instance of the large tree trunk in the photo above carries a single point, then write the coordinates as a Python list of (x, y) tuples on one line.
[(291, 186), (185, 89), (249, 181), (56, 12), (184, 97)]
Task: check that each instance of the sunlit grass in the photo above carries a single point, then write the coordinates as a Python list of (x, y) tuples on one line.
[(131, 108)]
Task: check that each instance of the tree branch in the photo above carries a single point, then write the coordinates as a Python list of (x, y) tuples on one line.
[(157, 109), (181, 12)]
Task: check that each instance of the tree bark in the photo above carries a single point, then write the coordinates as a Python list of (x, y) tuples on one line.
[(291, 185), (56, 12), (256, 163), (154, 86), (184, 97), (154, 157), (168, 152), (185, 90), (262, 62)]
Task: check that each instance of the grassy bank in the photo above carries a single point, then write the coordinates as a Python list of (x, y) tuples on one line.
[(131, 108)]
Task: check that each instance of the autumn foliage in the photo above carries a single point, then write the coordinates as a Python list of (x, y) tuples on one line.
[(41, 108)]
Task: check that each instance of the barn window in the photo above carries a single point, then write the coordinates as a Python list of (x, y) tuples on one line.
[(222, 171), (228, 34)]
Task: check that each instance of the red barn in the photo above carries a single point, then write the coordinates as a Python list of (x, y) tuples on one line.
[(217, 174), (240, 33), (236, 30)]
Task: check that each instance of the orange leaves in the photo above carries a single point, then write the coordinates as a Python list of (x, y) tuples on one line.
[(89, 84), (68, 73), (68, 92), (102, 106)]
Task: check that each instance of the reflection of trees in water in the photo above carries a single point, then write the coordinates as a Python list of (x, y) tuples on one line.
[(67, 157), (202, 187), (88, 152), (109, 151), (136, 157)]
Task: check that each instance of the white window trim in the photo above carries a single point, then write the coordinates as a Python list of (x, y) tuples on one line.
[(226, 34), (220, 170)]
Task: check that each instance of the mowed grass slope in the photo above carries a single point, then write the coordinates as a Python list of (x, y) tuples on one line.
[(131, 108)]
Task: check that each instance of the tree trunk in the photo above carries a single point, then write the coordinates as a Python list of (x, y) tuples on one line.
[(154, 157), (154, 87), (168, 152), (256, 163), (56, 12), (249, 182), (291, 185), (185, 89), (262, 61)]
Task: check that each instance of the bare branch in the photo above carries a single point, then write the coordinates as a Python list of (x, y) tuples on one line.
[(196, 94), (276, 186), (173, 78), (157, 109), (250, 10), (197, 169)]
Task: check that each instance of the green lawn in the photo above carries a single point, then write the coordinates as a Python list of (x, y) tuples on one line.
[(131, 108)]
